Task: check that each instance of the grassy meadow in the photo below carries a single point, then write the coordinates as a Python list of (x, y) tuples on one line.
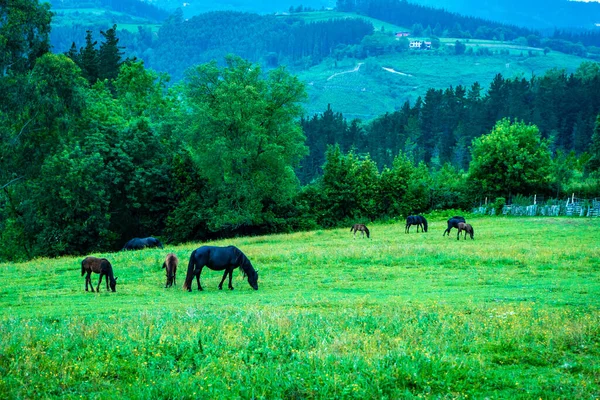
[(370, 90), (514, 313)]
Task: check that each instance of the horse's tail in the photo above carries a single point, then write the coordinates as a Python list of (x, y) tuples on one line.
[(367, 231), (83, 268), (472, 232), (425, 224), (187, 284)]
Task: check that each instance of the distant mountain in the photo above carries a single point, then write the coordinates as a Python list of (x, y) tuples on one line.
[(537, 14), (195, 7)]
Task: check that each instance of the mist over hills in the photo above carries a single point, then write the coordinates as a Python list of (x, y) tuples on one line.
[(538, 14)]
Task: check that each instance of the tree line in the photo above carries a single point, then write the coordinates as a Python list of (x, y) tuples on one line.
[(439, 127)]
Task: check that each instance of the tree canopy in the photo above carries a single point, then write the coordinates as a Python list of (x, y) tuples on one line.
[(513, 158), (242, 133)]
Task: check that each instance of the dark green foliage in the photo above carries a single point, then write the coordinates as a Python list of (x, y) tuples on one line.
[(241, 131), (89, 59), (210, 36), (24, 30), (352, 189), (512, 159), (110, 54)]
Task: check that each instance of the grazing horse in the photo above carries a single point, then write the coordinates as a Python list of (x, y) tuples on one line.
[(417, 220), (453, 223), (467, 228), (170, 265), (360, 227), (219, 259), (100, 266), (138, 244)]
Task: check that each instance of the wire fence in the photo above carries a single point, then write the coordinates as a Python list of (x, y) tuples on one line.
[(570, 207)]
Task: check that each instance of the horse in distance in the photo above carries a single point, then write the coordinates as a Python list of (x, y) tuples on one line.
[(100, 266), (219, 259), (170, 265), (362, 228), (453, 223), (466, 228), (142, 243), (417, 220)]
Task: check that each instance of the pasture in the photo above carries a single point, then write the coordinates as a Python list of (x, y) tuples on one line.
[(512, 314), (372, 90)]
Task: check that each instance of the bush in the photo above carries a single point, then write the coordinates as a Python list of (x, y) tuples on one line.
[(498, 205)]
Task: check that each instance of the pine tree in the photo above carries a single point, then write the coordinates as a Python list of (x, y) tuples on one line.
[(88, 56), (73, 54), (110, 54)]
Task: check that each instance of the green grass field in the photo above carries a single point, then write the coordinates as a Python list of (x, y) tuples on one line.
[(512, 314)]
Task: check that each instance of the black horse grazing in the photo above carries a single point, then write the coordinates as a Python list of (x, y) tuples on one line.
[(467, 229), (100, 266), (417, 220), (138, 244), (453, 223), (170, 265), (219, 259), (362, 228)]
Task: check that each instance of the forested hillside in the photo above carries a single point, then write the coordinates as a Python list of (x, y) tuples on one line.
[(181, 44), (96, 149), (195, 7), (439, 127)]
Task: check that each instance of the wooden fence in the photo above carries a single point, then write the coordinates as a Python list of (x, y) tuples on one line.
[(571, 207)]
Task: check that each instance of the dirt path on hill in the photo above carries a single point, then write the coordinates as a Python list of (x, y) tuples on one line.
[(346, 72)]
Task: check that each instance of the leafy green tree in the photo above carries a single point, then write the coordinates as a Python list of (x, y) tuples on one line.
[(244, 136), (348, 188), (563, 169), (394, 182), (512, 159), (24, 34)]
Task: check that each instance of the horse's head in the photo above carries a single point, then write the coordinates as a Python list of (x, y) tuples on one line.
[(113, 284), (253, 279)]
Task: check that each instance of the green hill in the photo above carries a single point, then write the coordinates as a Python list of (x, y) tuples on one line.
[(367, 88)]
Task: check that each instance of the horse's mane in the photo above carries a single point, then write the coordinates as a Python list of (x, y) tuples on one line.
[(245, 264)]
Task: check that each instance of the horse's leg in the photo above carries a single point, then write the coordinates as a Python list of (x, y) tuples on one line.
[(88, 280), (230, 276), (99, 282), (458, 234), (223, 280), (198, 278)]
